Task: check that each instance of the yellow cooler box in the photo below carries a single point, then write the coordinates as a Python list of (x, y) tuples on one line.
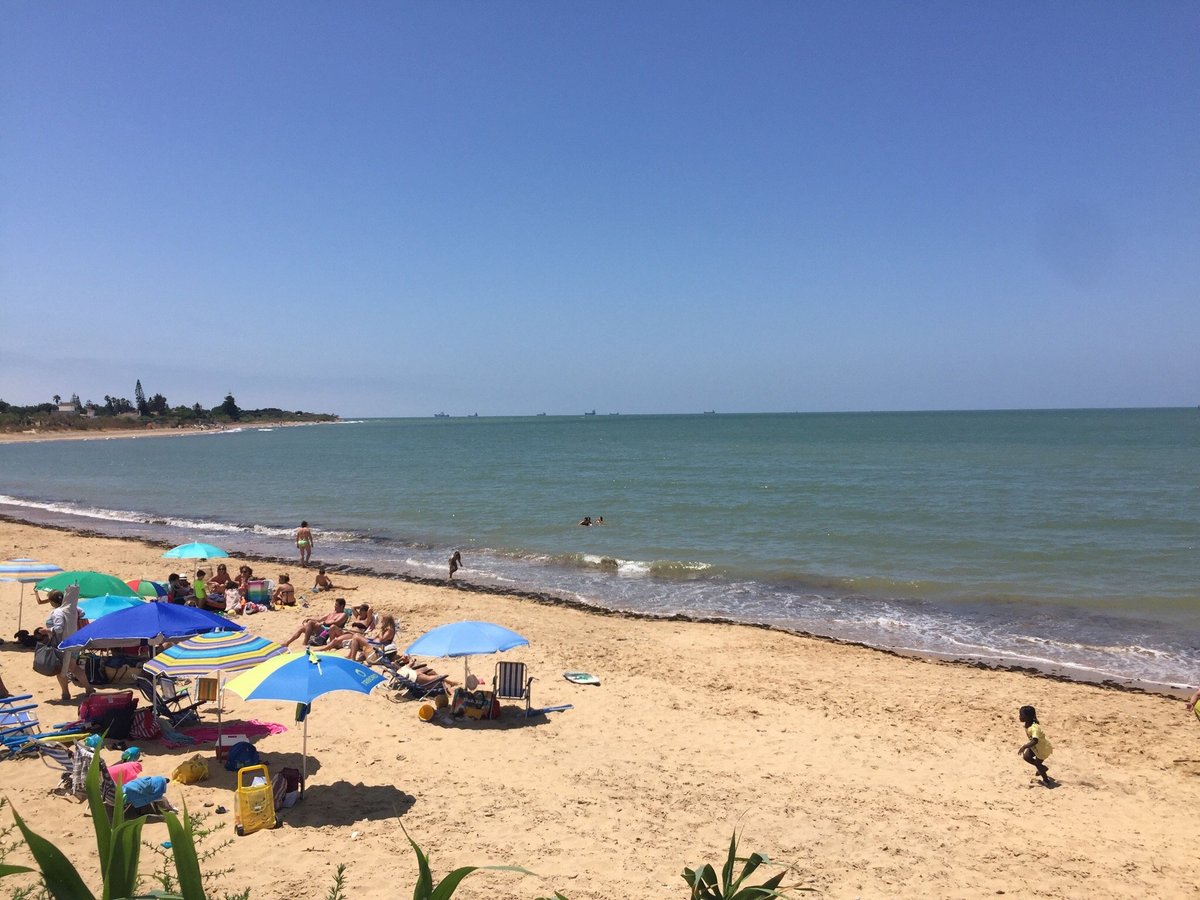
[(254, 803)]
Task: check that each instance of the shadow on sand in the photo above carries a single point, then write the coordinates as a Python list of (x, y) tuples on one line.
[(343, 803)]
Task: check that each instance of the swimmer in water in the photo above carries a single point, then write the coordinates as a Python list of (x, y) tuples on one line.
[(586, 521)]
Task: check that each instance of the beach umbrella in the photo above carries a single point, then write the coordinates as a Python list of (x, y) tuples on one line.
[(153, 623), (99, 607), (466, 639), (215, 653), (91, 584), (145, 588), (196, 550), (301, 678), (26, 571)]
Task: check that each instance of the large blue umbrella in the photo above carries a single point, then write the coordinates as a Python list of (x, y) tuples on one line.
[(301, 678), (466, 639), (153, 623), (99, 607), (196, 550)]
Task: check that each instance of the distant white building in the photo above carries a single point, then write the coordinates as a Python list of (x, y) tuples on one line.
[(68, 408)]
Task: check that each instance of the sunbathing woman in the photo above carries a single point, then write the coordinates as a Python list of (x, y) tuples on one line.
[(339, 637), (359, 645), (408, 667)]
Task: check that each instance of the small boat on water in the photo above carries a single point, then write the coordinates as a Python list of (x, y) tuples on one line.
[(592, 413), (441, 415), (710, 412)]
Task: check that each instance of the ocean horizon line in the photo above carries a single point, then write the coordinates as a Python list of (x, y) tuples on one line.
[(745, 412)]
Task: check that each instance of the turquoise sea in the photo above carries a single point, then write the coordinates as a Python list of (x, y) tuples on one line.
[(1067, 541)]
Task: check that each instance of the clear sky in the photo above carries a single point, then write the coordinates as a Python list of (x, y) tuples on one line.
[(508, 208)]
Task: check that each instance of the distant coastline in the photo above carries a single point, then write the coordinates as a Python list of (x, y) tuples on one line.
[(100, 433)]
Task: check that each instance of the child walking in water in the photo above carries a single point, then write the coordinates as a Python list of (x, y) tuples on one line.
[(1037, 748)]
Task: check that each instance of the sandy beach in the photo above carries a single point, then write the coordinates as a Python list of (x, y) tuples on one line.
[(871, 774), (36, 436)]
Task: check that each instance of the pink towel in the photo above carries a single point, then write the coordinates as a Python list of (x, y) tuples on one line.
[(207, 734), (126, 771)]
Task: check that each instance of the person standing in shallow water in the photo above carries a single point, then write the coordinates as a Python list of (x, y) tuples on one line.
[(455, 563), (304, 542)]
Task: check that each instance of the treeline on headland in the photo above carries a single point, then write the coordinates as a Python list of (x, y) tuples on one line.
[(140, 413)]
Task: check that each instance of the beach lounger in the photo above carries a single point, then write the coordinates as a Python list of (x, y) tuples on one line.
[(259, 591), (76, 785), (174, 705), (402, 683), (511, 683), (21, 732)]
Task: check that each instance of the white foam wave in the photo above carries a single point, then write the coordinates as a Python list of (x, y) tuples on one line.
[(133, 517), (73, 509)]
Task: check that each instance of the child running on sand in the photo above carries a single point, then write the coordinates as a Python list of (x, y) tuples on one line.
[(1037, 748)]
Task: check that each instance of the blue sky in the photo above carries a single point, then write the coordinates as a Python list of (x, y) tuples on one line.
[(509, 208)]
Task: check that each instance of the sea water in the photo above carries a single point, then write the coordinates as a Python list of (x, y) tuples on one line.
[(1062, 540)]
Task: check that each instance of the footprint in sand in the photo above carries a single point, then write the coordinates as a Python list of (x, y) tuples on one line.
[(1190, 766)]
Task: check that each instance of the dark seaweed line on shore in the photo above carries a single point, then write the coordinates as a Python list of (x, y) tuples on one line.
[(593, 609)]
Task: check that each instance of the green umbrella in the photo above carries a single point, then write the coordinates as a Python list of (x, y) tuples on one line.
[(91, 584)]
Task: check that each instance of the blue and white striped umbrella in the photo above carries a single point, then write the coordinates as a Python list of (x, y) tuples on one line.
[(26, 571)]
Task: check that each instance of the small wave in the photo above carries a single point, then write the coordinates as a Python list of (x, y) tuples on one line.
[(637, 568), (134, 517), (73, 509)]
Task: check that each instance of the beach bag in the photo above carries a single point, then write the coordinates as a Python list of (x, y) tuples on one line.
[(190, 770), (144, 726), (115, 723), (286, 788), (47, 660), (98, 705), (93, 666), (240, 755)]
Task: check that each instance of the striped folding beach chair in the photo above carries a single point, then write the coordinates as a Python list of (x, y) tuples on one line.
[(511, 683)]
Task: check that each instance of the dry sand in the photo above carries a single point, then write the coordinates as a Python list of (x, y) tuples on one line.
[(874, 775)]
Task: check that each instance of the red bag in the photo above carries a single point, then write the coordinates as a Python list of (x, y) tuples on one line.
[(98, 706), (144, 726)]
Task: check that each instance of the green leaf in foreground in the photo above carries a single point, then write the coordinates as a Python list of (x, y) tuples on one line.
[(62, 881), (705, 885), (427, 890)]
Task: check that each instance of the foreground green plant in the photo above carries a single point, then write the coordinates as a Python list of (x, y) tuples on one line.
[(444, 889), (208, 854), (118, 842), (705, 886)]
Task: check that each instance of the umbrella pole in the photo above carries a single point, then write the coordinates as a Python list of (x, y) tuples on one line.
[(304, 764), (220, 707), (21, 606)]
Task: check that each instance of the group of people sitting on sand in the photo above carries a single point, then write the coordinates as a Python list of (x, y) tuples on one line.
[(236, 594), (364, 636)]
